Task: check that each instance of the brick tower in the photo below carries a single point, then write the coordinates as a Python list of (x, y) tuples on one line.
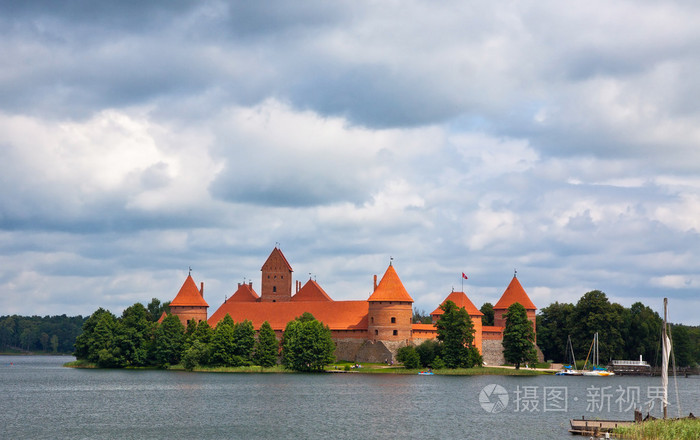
[(276, 283), (189, 302), (514, 293), (390, 314)]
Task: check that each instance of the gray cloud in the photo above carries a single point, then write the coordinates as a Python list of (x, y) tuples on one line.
[(141, 139)]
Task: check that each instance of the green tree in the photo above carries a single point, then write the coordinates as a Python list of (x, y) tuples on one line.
[(266, 347), (427, 351), (455, 331), (244, 341), (682, 346), (594, 313), (408, 356), (135, 335), (85, 343), (553, 329), (487, 310), (169, 340), (54, 343), (223, 346), (194, 355), (106, 352), (156, 309), (518, 337), (643, 333), (307, 345), (203, 333), (421, 317)]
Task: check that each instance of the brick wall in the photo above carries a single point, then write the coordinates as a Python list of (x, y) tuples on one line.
[(185, 313)]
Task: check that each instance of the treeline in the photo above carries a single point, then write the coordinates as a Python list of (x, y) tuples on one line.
[(135, 340), (47, 334), (624, 333)]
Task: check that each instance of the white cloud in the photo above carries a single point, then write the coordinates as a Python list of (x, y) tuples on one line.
[(557, 138)]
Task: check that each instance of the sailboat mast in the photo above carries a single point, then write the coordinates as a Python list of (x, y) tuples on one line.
[(664, 362)]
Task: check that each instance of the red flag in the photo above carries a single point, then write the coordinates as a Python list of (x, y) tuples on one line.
[(464, 276)]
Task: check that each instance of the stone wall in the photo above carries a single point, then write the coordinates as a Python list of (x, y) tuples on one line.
[(357, 350), (493, 352)]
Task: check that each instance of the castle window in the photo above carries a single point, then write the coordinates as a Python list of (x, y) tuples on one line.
[(274, 288), (372, 319), (396, 332), (376, 332), (393, 320)]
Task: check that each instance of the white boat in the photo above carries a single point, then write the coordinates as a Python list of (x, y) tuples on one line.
[(596, 370), (569, 370)]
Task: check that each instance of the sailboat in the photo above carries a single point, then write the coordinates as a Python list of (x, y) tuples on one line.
[(595, 427), (596, 370), (569, 370)]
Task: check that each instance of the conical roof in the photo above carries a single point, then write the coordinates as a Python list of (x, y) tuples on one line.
[(189, 295), (276, 259), (311, 292), (514, 293), (245, 293), (390, 288), (461, 300)]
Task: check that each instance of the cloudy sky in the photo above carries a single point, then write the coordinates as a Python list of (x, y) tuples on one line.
[(558, 138)]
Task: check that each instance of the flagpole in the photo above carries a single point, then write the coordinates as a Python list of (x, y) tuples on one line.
[(462, 282)]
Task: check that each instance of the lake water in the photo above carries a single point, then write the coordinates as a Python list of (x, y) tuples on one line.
[(40, 399)]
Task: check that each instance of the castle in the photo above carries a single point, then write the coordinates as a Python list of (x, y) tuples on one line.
[(370, 330)]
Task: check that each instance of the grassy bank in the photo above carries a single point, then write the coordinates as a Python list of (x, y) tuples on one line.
[(342, 367), (80, 364), (685, 429)]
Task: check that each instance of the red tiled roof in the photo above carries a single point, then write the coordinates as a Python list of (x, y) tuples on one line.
[(277, 254), (189, 295), (514, 293), (390, 288), (245, 293), (461, 300), (311, 292), (338, 315)]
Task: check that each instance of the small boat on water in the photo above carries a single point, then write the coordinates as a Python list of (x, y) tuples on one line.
[(425, 373), (569, 370), (596, 370)]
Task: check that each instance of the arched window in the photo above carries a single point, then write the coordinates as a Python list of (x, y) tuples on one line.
[(274, 288), (372, 319), (393, 320), (396, 332), (376, 332)]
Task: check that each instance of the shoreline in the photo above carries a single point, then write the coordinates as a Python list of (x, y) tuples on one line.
[(336, 369)]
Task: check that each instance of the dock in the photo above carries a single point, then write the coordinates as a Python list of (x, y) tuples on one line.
[(596, 427)]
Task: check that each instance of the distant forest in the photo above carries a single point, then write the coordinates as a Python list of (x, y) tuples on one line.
[(51, 334), (45, 334)]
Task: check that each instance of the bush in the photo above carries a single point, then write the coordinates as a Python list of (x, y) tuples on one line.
[(438, 363), (408, 356), (427, 351)]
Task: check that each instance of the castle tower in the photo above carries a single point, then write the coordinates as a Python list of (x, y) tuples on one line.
[(276, 283), (390, 316), (189, 302), (514, 293), (462, 300)]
